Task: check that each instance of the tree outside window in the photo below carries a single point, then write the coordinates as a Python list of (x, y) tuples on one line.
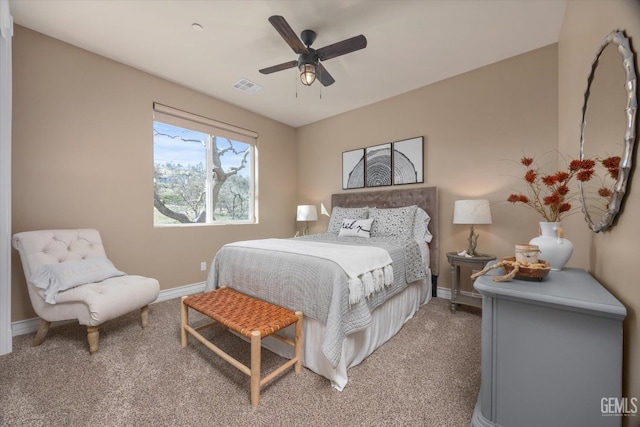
[(201, 177)]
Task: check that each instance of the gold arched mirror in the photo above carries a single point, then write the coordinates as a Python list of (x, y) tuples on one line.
[(608, 129)]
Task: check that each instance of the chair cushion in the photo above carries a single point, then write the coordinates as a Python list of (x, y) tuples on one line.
[(110, 298), (54, 278)]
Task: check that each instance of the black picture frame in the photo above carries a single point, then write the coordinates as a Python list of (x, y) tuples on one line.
[(408, 161), (378, 171), (353, 169)]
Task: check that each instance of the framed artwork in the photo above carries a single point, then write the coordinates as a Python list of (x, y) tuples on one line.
[(378, 165), (353, 169), (408, 161)]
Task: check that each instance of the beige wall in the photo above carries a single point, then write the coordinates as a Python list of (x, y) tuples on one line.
[(609, 256), (476, 127), (83, 157)]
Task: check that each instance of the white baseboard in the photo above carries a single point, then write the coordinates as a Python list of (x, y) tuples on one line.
[(28, 326), (444, 293), (172, 293)]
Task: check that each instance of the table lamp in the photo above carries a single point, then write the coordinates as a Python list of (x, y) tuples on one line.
[(307, 213), (472, 212)]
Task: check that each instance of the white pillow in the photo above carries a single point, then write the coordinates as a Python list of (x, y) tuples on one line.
[(356, 227), (54, 278), (339, 213)]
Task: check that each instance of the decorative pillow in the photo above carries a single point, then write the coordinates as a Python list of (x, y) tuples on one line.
[(338, 214), (421, 226), (356, 227), (54, 278), (393, 222)]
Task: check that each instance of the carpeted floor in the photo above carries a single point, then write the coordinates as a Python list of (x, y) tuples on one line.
[(427, 375)]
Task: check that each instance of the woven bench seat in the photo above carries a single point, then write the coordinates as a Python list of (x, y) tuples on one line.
[(250, 317)]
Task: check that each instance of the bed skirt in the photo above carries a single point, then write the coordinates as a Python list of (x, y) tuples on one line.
[(386, 321)]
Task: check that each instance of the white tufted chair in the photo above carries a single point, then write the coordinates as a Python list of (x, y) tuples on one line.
[(91, 304)]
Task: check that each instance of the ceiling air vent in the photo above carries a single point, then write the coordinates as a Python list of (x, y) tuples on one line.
[(247, 86)]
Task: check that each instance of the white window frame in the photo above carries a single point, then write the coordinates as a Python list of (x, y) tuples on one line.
[(180, 118)]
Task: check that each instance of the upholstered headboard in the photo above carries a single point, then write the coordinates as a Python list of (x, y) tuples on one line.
[(424, 197)]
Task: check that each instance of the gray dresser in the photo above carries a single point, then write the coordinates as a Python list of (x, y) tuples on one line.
[(551, 351)]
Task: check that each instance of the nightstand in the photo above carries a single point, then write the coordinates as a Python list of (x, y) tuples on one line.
[(475, 263)]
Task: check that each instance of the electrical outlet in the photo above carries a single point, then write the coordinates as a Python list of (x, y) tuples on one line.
[(203, 266)]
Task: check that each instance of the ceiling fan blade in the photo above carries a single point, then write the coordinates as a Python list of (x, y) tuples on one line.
[(279, 67), (282, 27), (324, 76), (340, 48)]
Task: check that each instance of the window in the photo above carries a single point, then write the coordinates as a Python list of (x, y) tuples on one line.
[(204, 170)]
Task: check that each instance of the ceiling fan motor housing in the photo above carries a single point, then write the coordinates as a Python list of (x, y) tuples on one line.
[(308, 37), (308, 57)]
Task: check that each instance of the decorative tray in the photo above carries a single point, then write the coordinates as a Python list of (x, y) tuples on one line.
[(527, 272)]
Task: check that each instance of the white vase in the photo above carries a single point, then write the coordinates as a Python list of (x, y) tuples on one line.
[(553, 246)]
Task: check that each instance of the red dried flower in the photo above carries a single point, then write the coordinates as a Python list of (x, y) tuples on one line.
[(565, 207), (575, 165), (605, 192), (552, 199), (530, 176), (527, 161), (514, 198), (612, 162), (584, 175), (549, 180), (563, 190), (562, 176)]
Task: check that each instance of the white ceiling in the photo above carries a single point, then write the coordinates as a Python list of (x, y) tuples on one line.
[(410, 43)]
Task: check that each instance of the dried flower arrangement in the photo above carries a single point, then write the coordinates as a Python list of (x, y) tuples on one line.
[(612, 165), (550, 194), (598, 193)]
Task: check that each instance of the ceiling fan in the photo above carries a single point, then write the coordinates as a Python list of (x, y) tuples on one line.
[(308, 61)]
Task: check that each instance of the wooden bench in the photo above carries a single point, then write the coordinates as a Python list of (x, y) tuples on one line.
[(250, 317)]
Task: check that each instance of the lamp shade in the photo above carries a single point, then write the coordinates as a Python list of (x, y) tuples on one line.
[(472, 212), (307, 213)]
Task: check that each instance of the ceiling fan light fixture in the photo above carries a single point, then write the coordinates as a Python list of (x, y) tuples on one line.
[(307, 74), (308, 62)]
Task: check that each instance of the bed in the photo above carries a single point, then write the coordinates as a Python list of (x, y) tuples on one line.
[(352, 305)]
